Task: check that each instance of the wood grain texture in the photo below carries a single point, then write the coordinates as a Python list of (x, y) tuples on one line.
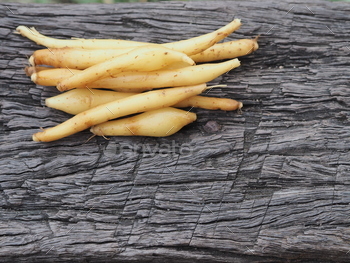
[(271, 184)]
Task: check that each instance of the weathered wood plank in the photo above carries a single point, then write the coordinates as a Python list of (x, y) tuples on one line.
[(270, 185)]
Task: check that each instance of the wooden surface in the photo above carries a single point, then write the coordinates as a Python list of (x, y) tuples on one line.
[(269, 184)]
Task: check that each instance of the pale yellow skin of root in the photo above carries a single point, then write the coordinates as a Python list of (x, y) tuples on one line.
[(145, 58), (74, 58), (31, 70), (210, 103), (142, 81), (77, 58), (189, 46), (78, 100), (227, 50), (156, 123), (198, 44), (147, 101), (50, 42), (50, 77), (191, 75)]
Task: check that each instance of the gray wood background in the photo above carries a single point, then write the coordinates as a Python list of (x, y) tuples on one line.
[(269, 184)]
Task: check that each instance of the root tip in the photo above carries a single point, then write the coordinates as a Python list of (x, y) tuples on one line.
[(48, 102), (29, 71), (59, 87), (33, 77), (32, 61), (18, 29), (35, 138)]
